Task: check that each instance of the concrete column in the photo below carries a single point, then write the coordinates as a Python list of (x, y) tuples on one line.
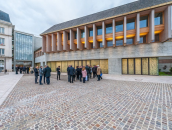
[(48, 44), (103, 34), (72, 45), (59, 42), (113, 27), (54, 48), (95, 43), (138, 28), (86, 38), (151, 35), (166, 33), (64, 40), (78, 38), (45, 58), (125, 30), (43, 44)]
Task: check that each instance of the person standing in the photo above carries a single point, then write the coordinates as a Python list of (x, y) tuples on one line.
[(71, 73), (91, 71), (40, 75), (16, 69), (21, 69), (98, 72), (44, 73), (27, 70), (48, 74), (36, 74), (24, 70), (58, 72), (88, 71), (84, 74), (68, 73), (77, 72), (80, 73)]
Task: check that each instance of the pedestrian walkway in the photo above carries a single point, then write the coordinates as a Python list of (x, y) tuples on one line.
[(7, 83)]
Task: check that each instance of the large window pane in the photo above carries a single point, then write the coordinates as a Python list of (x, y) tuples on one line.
[(109, 43), (82, 34), (3, 52), (2, 41), (75, 35), (158, 18), (108, 28), (100, 44), (142, 39), (130, 24), (90, 32), (129, 41), (99, 30), (119, 26), (119, 42), (144, 22)]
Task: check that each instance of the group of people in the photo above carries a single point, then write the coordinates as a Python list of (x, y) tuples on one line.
[(83, 73), (23, 69)]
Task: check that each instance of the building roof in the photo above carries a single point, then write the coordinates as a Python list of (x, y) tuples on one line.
[(4, 16), (137, 5)]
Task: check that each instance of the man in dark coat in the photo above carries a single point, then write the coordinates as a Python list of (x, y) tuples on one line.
[(88, 72), (24, 70), (48, 74), (21, 69), (44, 73), (94, 71), (77, 72), (80, 73), (71, 73), (68, 73), (16, 69), (58, 72), (36, 74), (27, 70)]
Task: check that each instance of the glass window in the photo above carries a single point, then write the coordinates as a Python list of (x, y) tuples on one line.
[(100, 44), (143, 39), (82, 34), (143, 21), (108, 28), (109, 43), (68, 36), (158, 18), (130, 24), (90, 32), (99, 30), (129, 41), (2, 41), (119, 42), (75, 35), (2, 51), (119, 26), (1, 30)]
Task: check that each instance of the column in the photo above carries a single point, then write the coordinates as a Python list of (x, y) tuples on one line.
[(48, 44), (86, 38), (166, 33), (59, 42), (72, 46), (103, 34), (45, 58), (151, 35), (113, 27), (137, 29), (78, 38), (125, 30), (43, 43), (95, 43), (54, 48)]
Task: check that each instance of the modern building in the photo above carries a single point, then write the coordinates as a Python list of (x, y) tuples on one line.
[(129, 39), (6, 28), (24, 46)]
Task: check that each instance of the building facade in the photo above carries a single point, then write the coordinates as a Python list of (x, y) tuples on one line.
[(6, 28), (128, 39)]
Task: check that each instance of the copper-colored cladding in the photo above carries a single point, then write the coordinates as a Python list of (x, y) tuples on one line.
[(109, 36), (144, 30), (145, 66), (159, 27), (90, 39), (99, 37), (153, 66), (75, 41), (138, 69), (82, 40), (64, 66)]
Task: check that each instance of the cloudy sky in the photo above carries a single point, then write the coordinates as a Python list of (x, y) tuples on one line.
[(35, 16)]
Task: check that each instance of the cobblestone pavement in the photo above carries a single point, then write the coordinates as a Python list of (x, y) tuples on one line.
[(104, 105)]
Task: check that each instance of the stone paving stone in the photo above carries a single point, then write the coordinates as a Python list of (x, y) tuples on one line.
[(104, 105)]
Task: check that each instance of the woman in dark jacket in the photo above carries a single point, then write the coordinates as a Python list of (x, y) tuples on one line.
[(77, 72)]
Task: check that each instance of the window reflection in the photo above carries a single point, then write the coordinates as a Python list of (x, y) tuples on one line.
[(68, 36), (99, 30), (90, 32), (130, 24), (119, 26), (108, 28), (119, 42), (82, 34), (158, 18), (144, 22), (109, 43), (142, 39), (129, 41), (101, 45), (75, 35)]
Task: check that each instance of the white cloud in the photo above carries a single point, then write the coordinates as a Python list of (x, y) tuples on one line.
[(36, 16)]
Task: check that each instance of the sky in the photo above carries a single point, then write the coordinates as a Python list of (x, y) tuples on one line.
[(36, 16)]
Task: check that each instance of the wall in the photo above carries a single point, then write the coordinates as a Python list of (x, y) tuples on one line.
[(113, 55)]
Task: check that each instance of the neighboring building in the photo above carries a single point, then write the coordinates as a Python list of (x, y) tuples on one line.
[(128, 39), (6, 28)]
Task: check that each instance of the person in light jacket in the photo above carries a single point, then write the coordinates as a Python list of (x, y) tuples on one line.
[(40, 75), (98, 72), (84, 74)]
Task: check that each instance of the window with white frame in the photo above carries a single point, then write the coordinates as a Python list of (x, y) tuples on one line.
[(1, 30), (2, 41), (2, 51)]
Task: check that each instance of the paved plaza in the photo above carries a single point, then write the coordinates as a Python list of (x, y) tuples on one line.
[(104, 105)]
